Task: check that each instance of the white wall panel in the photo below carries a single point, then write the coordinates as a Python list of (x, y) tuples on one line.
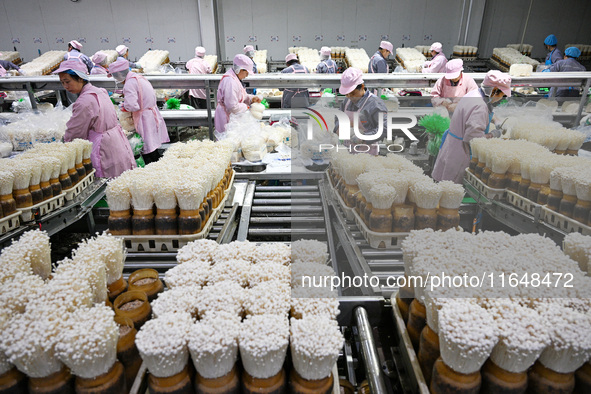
[(102, 24), (504, 21), (39, 25)]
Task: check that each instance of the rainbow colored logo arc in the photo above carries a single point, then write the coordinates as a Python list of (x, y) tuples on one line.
[(317, 118)]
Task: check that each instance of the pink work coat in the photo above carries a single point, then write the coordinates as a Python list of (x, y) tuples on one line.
[(140, 100), (94, 119), (2, 71), (98, 70), (232, 99), (444, 90), (468, 122), (198, 66), (435, 65)]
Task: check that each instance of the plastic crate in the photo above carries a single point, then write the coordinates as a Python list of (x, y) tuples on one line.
[(488, 192), (348, 212), (379, 240), (564, 223), (43, 207), (409, 357), (10, 222), (170, 243), (522, 203), (74, 191)]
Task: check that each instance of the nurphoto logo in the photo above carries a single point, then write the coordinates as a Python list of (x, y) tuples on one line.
[(358, 141)]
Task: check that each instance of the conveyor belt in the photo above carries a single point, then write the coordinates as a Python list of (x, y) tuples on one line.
[(365, 260), (278, 213)]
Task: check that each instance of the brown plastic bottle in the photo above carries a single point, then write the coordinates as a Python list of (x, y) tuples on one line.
[(513, 182), (403, 218), (227, 384), (428, 352), (350, 196), (147, 281), (23, 198), (299, 385), (142, 222), (73, 176), (47, 190), (176, 384), (485, 175), (166, 222), (417, 319), (140, 314), (523, 187), (583, 379), (56, 186), (533, 191), (116, 288), (36, 193), (497, 181), (544, 380), (447, 218), (119, 222), (112, 382), (581, 211), (566, 207), (87, 165), (81, 170), (190, 221), (479, 169), (554, 200), (380, 220), (445, 380), (8, 204), (473, 164), (127, 352), (497, 380), (65, 181), (274, 385), (425, 218), (57, 383), (543, 195), (13, 382)]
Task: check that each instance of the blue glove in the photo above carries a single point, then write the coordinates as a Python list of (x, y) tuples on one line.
[(546, 70)]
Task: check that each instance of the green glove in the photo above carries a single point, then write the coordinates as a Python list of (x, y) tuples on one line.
[(327, 90), (265, 103), (384, 97), (140, 162)]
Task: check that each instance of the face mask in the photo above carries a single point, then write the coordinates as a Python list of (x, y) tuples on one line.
[(119, 76)]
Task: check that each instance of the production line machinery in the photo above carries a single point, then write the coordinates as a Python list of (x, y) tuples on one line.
[(282, 207)]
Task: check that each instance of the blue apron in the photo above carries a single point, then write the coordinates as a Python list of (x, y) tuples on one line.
[(448, 132), (549, 61)]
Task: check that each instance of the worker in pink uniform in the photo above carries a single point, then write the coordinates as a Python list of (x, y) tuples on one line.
[(140, 100), (232, 97), (437, 62), (449, 89), (198, 65), (94, 119), (75, 52), (99, 59), (472, 119)]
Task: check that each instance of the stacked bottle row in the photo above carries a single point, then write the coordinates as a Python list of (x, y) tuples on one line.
[(242, 300), (495, 340), (176, 195), (58, 333), (390, 194), (41, 173), (562, 183)]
